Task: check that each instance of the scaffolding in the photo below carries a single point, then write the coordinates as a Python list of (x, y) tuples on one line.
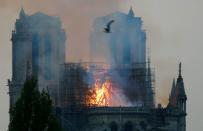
[(137, 80), (72, 90)]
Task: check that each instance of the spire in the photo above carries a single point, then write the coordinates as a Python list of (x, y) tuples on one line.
[(180, 70), (178, 91), (180, 84), (131, 12), (173, 95), (173, 89), (181, 95), (22, 13), (180, 73)]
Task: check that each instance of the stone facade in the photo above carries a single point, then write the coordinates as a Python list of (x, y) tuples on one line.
[(132, 119), (38, 48)]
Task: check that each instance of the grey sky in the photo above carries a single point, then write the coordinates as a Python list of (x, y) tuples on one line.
[(174, 33)]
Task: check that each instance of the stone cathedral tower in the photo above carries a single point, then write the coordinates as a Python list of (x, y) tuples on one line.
[(38, 42)]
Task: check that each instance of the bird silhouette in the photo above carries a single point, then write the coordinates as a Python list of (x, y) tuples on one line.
[(107, 29)]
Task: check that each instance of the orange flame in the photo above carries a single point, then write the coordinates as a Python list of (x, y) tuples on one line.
[(100, 94)]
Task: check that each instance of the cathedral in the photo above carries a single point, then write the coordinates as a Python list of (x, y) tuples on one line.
[(115, 95)]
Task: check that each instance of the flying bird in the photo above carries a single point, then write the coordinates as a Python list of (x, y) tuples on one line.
[(107, 29)]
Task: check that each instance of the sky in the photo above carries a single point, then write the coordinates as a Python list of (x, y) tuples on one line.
[(174, 33)]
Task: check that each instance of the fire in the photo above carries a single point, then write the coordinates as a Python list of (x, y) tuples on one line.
[(100, 94), (104, 91)]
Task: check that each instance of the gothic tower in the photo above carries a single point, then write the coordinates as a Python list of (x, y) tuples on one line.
[(38, 47), (177, 100)]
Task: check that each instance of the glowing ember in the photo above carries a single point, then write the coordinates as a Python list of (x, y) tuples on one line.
[(100, 94)]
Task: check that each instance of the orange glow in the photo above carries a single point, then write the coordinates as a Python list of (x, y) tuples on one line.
[(100, 94)]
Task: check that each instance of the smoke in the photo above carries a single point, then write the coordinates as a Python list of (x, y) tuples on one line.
[(122, 48), (124, 45), (164, 21), (77, 17)]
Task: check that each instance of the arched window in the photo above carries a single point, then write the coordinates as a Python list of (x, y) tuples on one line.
[(128, 126), (113, 126)]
